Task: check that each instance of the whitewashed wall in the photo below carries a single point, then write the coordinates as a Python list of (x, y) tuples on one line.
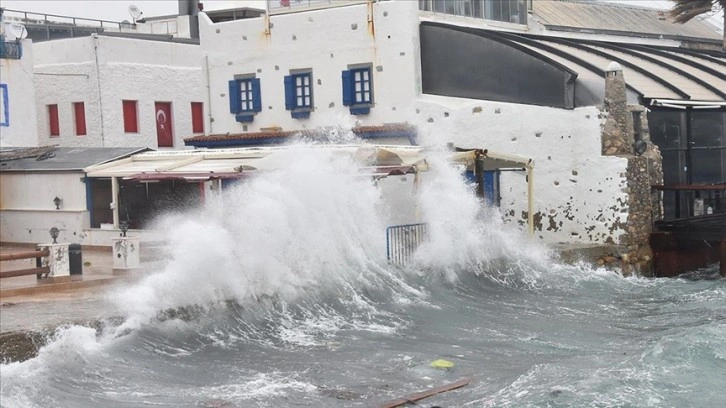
[(326, 41), (28, 211), (580, 195), (17, 75), (145, 71)]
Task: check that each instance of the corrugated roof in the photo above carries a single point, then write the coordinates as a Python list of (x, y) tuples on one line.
[(653, 72), (51, 158), (573, 15)]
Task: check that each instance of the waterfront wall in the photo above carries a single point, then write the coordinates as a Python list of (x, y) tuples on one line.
[(102, 72), (17, 100)]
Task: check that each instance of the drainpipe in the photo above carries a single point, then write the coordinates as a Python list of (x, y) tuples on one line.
[(209, 97), (98, 88)]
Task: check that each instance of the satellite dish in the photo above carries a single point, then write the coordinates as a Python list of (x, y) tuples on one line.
[(18, 31), (135, 12)]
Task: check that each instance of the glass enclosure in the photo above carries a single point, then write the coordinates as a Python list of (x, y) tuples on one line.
[(693, 144), (509, 11)]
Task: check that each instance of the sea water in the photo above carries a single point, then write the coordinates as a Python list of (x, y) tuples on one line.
[(279, 294)]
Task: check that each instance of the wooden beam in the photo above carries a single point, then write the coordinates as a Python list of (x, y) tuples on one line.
[(25, 272), (24, 255), (425, 394)]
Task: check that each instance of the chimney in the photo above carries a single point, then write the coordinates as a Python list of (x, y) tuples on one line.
[(191, 8), (616, 101)]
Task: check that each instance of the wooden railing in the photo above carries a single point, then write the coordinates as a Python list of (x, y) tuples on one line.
[(38, 270)]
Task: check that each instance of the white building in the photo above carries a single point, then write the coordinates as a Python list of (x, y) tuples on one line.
[(17, 98), (457, 75), (109, 91)]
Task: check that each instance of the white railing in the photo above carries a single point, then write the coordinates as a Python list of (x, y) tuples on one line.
[(279, 6)]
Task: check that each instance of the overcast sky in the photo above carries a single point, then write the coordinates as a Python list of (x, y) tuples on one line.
[(117, 10)]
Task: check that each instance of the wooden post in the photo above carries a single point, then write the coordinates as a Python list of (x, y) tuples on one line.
[(115, 202), (479, 174)]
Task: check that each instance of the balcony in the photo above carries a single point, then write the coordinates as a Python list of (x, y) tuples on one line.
[(10, 50)]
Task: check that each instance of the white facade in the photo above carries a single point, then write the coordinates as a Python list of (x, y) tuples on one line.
[(580, 195), (102, 72), (17, 100), (28, 211)]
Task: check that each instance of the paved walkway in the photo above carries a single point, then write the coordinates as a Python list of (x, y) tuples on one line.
[(97, 272)]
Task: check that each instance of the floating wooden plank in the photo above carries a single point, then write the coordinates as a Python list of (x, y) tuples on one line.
[(428, 393), (24, 255)]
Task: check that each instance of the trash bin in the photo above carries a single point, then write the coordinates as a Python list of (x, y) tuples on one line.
[(75, 259)]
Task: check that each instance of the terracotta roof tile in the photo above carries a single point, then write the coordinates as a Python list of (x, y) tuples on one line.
[(365, 132)]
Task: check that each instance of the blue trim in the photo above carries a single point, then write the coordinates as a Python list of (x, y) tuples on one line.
[(239, 142), (300, 114), (256, 95), (244, 117), (235, 99), (347, 88), (289, 93), (89, 199), (360, 110), (6, 108)]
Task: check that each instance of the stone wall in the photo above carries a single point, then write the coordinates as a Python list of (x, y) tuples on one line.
[(644, 169)]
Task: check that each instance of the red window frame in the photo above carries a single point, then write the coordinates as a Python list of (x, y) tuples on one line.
[(79, 112), (53, 124), (131, 116), (197, 117)]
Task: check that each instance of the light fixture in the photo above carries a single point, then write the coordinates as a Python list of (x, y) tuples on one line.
[(57, 201), (54, 234), (639, 147), (123, 226)]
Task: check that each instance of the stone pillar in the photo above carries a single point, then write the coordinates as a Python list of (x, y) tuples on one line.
[(58, 260), (125, 253), (617, 135)]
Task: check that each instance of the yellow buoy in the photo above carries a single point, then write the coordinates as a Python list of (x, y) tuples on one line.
[(441, 363)]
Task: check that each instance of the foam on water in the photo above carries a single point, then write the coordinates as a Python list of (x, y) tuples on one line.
[(288, 268)]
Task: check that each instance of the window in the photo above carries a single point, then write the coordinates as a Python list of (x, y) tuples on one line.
[(299, 94), (197, 117), (358, 89), (53, 121), (131, 121), (244, 97), (79, 113), (509, 11)]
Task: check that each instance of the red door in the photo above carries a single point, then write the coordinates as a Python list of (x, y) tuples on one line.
[(164, 132)]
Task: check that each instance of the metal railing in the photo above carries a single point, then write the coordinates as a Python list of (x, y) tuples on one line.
[(402, 241), (27, 17), (692, 200), (288, 5), (10, 50)]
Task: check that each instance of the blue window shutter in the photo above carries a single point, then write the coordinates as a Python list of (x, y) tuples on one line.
[(256, 95), (347, 88), (289, 93), (235, 104)]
